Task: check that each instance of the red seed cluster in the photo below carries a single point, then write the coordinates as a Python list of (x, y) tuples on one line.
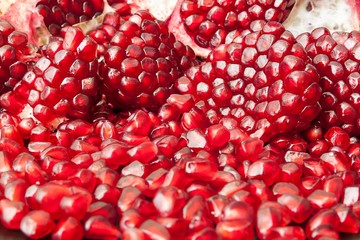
[(262, 79), (114, 176), (16, 56), (62, 84), (58, 14), (142, 63), (121, 132), (210, 23), (336, 58)]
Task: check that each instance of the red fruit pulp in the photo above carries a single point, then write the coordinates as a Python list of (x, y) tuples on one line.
[(240, 150)]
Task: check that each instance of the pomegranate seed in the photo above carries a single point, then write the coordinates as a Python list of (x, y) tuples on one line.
[(349, 223), (145, 207), (196, 203), (99, 208), (326, 217), (201, 169), (131, 218), (133, 181), (321, 199), (324, 231), (135, 168), (231, 188), (99, 227), (238, 211), (349, 177), (37, 224), (298, 207), (222, 178), (334, 184), (271, 215), (296, 157), (5, 161), (15, 190), (281, 188), (217, 135), (106, 193), (351, 195), (216, 204), (235, 229), (154, 230), (113, 152), (156, 179), (315, 167), (127, 198), (30, 196), (246, 196), (338, 137), (19, 163), (319, 147), (177, 227), (11, 213), (49, 196), (169, 200), (69, 228), (336, 161), (167, 145), (290, 172), (62, 169), (266, 170), (207, 233), (250, 149), (133, 233), (84, 178), (294, 232), (199, 189), (9, 176), (144, 152), (309, 184), (107, 176), (76, 204)]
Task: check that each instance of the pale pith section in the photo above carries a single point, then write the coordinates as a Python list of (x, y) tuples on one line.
[(336, 15)]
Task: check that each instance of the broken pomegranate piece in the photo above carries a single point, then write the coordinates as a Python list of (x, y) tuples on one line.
[(204, 25)]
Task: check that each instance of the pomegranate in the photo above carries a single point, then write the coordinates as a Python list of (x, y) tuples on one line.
[(199, 119)]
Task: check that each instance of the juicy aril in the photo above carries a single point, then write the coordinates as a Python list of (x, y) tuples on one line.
[(205, 119)]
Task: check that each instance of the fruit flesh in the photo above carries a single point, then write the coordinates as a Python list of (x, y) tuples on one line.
[(118, 170)]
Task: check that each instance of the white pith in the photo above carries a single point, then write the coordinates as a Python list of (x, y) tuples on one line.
[(160, 9), (336, 15)]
